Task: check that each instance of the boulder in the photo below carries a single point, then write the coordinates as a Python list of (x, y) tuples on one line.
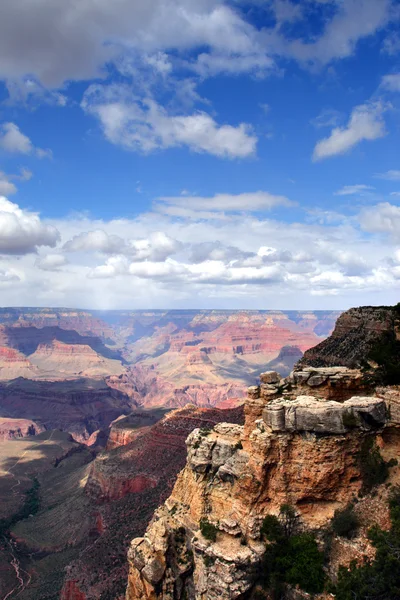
[(270, 377)]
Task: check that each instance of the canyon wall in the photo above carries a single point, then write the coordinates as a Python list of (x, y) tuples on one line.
[(303, 444)]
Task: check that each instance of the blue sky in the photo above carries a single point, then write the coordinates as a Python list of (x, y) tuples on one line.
[(200, 153)]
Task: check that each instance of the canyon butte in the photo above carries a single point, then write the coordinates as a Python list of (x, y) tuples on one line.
[(242, 500), (90, 443)]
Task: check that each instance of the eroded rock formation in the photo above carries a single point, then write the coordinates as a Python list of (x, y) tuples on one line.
[(294, 448)]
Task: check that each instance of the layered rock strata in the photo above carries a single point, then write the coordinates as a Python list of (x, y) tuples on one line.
[(294, 449)]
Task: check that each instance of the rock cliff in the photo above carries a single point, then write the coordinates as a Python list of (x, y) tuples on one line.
[(307, 443)]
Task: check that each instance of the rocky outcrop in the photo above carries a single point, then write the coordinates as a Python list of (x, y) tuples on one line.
[(293, 449), (79, 406), (126, 484), (18, 428), (358, 333), (306, 413)]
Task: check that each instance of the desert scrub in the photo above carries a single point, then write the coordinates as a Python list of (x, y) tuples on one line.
[(374, 470), (291, 558), (345, 522), (208, 530), (377, 578)]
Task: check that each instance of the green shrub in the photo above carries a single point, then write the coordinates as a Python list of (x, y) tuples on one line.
[(374, 470), (291, 558), (295, 561), (378, 579), (271, 528), (208, 530), (345, 522)]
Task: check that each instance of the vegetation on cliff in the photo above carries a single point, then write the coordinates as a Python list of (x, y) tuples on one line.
[(378, 579), (292, 557)]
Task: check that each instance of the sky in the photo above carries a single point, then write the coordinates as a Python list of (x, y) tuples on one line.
[(239, 154)]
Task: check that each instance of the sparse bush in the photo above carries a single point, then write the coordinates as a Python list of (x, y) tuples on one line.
[(291, 558), (377, 579), (238, 445), (271, 528), (374, 469), (208, 530), (345, 522)]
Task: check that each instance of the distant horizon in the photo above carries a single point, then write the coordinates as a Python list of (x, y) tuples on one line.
[(99, 310)]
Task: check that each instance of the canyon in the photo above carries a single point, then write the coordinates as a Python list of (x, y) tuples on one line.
[(80, 370), (306, 449), (95, 411)]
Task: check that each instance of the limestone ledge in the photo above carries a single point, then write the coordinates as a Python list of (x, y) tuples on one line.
[(325, 382), (306, 413)]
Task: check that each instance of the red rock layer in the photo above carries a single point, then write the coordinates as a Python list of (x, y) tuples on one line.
[(17, 428), (71, 591)]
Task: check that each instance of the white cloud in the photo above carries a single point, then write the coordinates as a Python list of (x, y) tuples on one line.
[(366, 123), (352, 21), (249, 262), (7, 187), (382, 218), (8, 276), (391, 82), (156, 248), (391, 175), (97, 241), (51, 262), (94, 34), (207, 207), (14, 141), (145, 126), (60, 41), (22, 231), (349, 190)]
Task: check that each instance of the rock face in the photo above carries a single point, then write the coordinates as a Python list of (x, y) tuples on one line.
[(306, 413), (293, 449), (125, 485), (79, 406), (357, 332), (11, 429)]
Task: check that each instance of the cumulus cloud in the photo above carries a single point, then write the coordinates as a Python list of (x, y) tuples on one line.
[(349, 190), (95, 241), (14, 141), (157, 247), (366, 123), (95, 34), (56, 42), (251, 258), (51, 262), (382, 218), (22, 231), (145, 126), (215, 250)]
